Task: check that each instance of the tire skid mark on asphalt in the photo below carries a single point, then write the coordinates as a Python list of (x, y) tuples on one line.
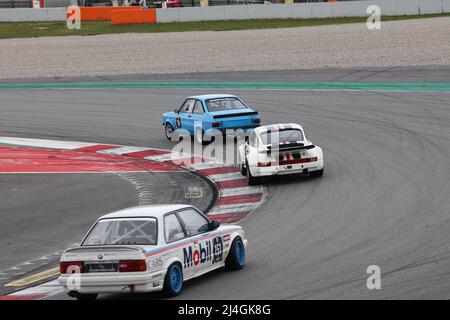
[(236, 199)]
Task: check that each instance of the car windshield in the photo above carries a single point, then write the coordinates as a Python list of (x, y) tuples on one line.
[(141, 231), (275, 137), (224, 104)]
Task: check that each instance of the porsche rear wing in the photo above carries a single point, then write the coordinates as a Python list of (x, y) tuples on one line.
[(287, 147)]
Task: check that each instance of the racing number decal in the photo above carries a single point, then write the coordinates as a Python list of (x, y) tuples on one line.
[(217, 249), (206, 251)]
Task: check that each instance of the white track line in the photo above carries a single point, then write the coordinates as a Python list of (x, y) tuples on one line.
[(226, 176), (122, 150), (207, 165), (230, 208), (49, 288), (241, 191), (50, 144)]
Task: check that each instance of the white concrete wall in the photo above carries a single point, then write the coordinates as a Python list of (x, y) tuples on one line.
[(303, 10), (28, 14), (239, 12)]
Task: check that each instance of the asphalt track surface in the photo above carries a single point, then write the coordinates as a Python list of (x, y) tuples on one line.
[(383, 200)]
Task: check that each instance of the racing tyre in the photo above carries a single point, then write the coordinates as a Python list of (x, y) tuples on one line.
[(236, 257), (173, 282), (200, 137), (168, 130), (86, 297), (252, 181), (316, 174), (243, 169)]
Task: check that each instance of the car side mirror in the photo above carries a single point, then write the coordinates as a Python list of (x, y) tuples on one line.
[(175, 110), (213, 225)]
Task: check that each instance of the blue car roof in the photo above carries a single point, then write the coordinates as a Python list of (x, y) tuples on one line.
[(204, 97)]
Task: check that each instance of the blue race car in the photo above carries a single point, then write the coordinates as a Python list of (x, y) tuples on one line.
[(198, 114)]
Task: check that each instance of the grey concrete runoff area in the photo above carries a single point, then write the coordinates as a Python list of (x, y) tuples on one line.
[(383, 200), (333, 46)]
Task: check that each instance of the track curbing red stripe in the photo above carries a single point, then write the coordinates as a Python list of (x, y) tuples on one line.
[(244, 198)]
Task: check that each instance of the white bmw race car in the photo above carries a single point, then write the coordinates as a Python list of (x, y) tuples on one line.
[(279, 149), (149, 248)]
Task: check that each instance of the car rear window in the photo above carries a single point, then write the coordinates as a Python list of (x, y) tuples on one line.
[(140, 231), (224, 104), (275, 137)]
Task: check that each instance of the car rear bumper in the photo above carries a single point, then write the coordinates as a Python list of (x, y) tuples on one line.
[(112, 283), (223, 129), (287, 169)]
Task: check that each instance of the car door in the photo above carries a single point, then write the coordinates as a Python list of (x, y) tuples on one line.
[(197, 115), (185, 116), (175, 235), (196, 226)]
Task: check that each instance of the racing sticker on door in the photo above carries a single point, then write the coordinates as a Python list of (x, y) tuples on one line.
[(206, 251)]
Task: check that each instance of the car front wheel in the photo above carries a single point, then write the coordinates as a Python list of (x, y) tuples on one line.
[(242, 169), (252, 181), (236, 258), (168, 130)]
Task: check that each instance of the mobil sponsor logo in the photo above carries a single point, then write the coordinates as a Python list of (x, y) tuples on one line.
[(210, 250)]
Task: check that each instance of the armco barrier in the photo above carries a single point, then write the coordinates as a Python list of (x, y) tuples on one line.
[(240, 12)]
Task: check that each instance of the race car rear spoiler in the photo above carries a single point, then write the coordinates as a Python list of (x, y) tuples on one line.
[(253, 113), (104, 248), (289, 147)]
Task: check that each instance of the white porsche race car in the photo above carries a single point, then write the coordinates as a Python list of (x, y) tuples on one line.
[(279, 149), (149, 248)]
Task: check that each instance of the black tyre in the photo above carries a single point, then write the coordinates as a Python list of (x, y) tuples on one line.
[(168, 131), (316, 174), (236, 257), (173, 282), (86, 297), (243, 169), (252, 181)]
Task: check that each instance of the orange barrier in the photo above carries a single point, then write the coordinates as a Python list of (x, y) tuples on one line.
[(101, 13), (133, 16)]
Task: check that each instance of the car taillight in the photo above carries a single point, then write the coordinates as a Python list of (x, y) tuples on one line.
[(132, 265), (216, 124), (264, 164), (313, 159), (256, 120), (71, 267)]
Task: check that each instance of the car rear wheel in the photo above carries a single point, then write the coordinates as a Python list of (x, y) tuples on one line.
[(316, 174), (199, 136), (252, 181), (236, 257), (173, 282), (168, 130), (86, 297), (202, 138)]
